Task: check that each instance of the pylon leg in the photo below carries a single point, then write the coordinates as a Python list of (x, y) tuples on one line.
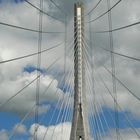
[(80, 127)]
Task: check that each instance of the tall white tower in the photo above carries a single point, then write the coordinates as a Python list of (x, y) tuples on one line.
[(80, 127)]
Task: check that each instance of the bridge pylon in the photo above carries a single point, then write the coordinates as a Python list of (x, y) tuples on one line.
[(80, 127)]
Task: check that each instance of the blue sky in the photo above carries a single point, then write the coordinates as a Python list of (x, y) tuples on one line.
[(8, 121)]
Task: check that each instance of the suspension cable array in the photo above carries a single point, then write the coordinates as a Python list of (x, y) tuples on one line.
[(72, 84)]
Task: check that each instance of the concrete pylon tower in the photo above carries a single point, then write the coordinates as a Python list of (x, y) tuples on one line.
[(80, 127)]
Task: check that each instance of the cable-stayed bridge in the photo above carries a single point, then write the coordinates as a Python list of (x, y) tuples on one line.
[(83, 87)]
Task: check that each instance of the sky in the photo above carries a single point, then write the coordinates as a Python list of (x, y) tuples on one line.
[(53, 90)]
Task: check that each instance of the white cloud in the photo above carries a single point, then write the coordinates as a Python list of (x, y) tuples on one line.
[(53, 132), (23, 102), (125, 42), (125, 99), (15, 43), (125, 134), (20, 129), (3, 135)]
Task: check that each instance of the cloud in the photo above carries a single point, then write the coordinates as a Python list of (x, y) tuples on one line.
[(125, 134), (126, 42), (25, 101), (3, 135), (53, 132), (14, 43), (20, 129)]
